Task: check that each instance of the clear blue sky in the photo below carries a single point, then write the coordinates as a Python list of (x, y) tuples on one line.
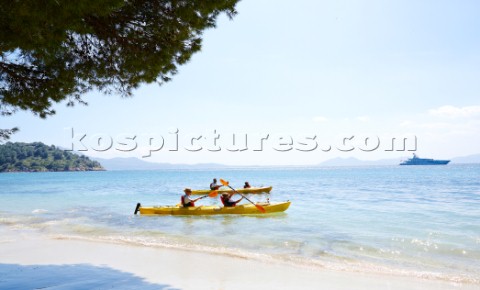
[(327, 68)]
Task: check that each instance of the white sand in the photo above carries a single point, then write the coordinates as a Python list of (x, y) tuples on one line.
[(115, 265)]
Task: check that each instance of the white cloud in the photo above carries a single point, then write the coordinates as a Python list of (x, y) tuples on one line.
[(437, 126), (455, 112), (320, 119), (406, 123), (363, 118)]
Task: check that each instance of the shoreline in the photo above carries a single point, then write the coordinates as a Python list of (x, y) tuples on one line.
[(357, 267), (168, 268)]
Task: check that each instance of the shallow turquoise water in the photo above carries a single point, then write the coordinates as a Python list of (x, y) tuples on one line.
[(407, 220)]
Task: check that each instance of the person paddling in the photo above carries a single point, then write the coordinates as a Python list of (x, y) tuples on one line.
[(227, 201), (247, 185), (214, 185), (186, 201)]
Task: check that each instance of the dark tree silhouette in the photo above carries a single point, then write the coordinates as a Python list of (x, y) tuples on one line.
[(55, 50)]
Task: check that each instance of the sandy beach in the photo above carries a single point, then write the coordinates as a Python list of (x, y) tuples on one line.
[(31, 261)]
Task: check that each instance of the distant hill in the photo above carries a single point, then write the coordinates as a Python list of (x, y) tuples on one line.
[(467, 159), (38, 157), (351, 161), (132, 163)]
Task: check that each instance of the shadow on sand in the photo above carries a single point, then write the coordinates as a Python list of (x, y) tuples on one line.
[(77, 276)]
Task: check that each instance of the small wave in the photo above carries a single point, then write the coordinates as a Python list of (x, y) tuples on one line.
[(39, 210), (343, 264), (16, 221), (166, 243)]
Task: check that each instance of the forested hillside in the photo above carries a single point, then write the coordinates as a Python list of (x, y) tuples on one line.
[(38, 157)]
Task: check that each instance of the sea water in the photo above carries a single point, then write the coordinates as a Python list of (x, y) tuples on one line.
[(421, 221)]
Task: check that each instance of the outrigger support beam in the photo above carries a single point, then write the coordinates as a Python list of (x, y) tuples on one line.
[(137, 208)]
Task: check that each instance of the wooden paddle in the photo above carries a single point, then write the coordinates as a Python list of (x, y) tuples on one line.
[(259, 207)]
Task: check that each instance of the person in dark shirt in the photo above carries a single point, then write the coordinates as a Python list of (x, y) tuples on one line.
[(227, 200), (214, 185)]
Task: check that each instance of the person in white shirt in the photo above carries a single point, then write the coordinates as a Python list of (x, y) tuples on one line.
[(186, 200)]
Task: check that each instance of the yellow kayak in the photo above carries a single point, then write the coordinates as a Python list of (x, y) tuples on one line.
[(241, 190), (212, 209)]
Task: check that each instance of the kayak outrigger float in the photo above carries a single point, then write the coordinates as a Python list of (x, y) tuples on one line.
[(212, 209), (265, 189)]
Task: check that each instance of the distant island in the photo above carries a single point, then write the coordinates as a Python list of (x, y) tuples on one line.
[(38, 157)]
